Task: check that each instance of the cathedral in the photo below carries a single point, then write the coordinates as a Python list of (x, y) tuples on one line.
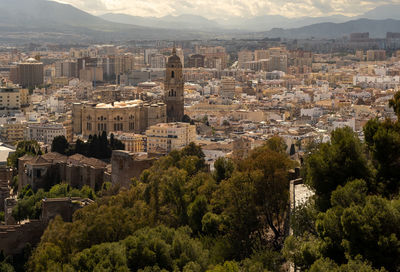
[(174, 89)]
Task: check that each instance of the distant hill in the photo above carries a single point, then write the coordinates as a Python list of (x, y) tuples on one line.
[(48, 21), (376, 28), (184, 21), (41, 20), (267, 22)]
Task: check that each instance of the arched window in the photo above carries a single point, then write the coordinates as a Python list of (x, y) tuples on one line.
[(172, 74)]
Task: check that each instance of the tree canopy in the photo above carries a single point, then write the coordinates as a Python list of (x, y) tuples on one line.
[(179, 216), (97, 146), (352, 222)]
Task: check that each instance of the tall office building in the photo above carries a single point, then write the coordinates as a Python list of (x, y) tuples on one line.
[(243, 57), (174, 88), (196, 61), (28, 74)]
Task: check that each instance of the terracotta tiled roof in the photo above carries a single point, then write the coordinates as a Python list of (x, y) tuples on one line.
[(79, 159), (55, 157), (39, 160)]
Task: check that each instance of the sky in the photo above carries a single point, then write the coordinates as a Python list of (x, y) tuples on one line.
[(214, 9)]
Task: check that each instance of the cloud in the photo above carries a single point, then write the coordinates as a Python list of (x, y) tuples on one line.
[(218, 9)]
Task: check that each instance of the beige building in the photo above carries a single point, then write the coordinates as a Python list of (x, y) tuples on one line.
[(227, 88), (243, 57), (133, 142), (376, 55), (261, 54), (212, 54), (10, 99), (165, 137), (68, 130), (91, 74), (12, 132), (24, 97), (133, 116)]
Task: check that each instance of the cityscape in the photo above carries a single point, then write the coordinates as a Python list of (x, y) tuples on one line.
[(198, 137)]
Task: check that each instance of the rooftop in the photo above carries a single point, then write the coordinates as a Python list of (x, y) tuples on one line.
[(4, 152), (121, 104)]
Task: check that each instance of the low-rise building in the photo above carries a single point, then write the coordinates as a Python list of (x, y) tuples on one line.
[(51, 168), (133, 142), (44, 132), (10, 99), (166, 137), (12, 132)]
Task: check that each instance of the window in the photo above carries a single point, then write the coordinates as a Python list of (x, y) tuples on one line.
[(172, 74)]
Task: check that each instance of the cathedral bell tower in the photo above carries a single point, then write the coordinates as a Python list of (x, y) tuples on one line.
[(174, 88)]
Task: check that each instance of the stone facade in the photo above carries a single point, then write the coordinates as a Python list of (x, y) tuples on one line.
[(174, 89), (64, 207), (126, 116), (52, 168), (126, 165), (14, 238)]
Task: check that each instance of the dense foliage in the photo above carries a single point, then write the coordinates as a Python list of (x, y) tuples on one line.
[(29, 203), (97, 146), (352, 223), (178, 216), (23, 148)]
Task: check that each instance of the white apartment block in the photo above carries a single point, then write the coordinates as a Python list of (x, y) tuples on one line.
[(44, 132)]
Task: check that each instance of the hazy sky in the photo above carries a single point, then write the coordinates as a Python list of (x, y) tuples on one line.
[(214, 9)]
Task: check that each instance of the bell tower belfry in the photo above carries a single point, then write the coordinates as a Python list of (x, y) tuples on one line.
[(174, 88)]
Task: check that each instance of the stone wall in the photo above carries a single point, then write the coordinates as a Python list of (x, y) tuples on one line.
[(76, 174), (13, 238), (65, 207), (126, 165)]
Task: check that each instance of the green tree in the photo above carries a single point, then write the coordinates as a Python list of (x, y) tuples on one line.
[(334, 164), (223, 169), (6, 267), (395, 104), (60, 145), (351, 266), (356, 226), (196, 210), (23, 147), (255, 198), (103, 257), (383, 142)]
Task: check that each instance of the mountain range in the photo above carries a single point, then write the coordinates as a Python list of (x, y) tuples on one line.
[(254, 24), (43, 20)]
